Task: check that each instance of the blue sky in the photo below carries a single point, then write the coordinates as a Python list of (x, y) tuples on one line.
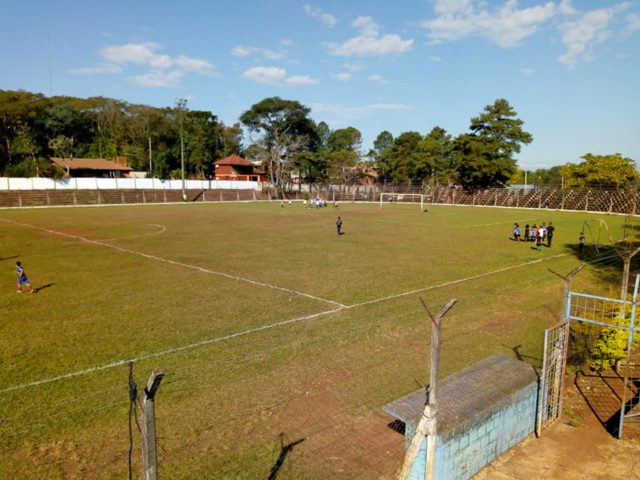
[(570, 69)]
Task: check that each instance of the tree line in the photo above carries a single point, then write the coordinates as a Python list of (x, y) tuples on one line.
[(280, 135)]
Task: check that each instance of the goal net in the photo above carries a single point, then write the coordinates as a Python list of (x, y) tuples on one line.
[(387, 198)]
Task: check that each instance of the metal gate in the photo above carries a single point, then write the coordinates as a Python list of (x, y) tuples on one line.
[(556, 341)]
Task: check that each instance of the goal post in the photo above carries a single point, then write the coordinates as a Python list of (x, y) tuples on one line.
[(389, 197)]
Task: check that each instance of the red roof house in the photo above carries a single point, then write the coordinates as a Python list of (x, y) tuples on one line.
[(234, 167), (93, 167)]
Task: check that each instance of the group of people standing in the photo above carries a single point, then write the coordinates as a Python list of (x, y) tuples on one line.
[(535, 233)]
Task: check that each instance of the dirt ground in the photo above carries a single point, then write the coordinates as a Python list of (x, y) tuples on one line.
[(579, 445)]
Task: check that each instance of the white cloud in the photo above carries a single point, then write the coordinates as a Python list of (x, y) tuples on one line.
[(100, 68), (369, 43), (343, 76), (142, 54), (277, 76), (244, 51), (506, 26), (633, 23), (162, 70), (354, 67), (350, 112), (286, 42), (327, 19), (159, 78), (377, 78), (196, 65), (580, 35), (527, 71), (435, 58)]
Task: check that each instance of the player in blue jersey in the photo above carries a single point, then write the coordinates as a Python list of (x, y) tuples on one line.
[(22, 278)]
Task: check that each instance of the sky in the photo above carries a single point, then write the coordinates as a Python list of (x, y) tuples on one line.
[(570, 69)]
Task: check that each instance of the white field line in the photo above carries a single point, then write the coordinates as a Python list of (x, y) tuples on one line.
[(174, 262), (161, 353), (161, 227), (454, 282), (264, 327)]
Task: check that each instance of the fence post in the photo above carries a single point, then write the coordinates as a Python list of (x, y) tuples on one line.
[(428, 421), (148, 427)]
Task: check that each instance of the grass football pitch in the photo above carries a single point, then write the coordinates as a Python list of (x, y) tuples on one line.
[(281, 341)]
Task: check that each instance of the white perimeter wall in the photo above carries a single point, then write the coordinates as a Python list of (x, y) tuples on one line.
[(10, 183)]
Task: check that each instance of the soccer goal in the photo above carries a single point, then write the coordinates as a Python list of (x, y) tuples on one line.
[(402, 198)]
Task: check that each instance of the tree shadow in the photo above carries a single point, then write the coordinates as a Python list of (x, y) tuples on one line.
[(606, 260), (284, 451), (38, 289), (602, 394)]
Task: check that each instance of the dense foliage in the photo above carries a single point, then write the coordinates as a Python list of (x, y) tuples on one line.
[(34, 128), (485, 157), (283, 138)]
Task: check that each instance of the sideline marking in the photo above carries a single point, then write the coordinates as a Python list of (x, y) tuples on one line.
[(119, 363), (264, 327), (453, 282), (174, 262)]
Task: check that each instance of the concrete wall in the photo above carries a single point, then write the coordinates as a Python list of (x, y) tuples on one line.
[(464, 451), (7, 183)]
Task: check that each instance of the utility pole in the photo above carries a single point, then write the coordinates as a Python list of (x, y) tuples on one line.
[(150, 156), (427, 425), (149, 458), (181, 105)]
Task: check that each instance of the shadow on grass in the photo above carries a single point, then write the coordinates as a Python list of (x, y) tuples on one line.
[(523, 357), (9, 258), (48, 285), (284, 451)]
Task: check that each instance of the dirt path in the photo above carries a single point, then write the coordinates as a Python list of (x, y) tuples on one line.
[(565, 452)]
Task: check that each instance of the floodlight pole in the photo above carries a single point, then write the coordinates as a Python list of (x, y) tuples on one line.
[(427, 425), (181, 104), (149, 457)]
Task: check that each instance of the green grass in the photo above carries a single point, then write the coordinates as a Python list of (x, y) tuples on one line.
[(225, 407)]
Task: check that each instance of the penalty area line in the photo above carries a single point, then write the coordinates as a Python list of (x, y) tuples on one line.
[(174, 262)]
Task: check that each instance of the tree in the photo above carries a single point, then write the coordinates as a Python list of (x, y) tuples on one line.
[(485, 157), (602, 171), (62, 146), (398, 160), (286, 129), (343, 152), (24, 144), (433, 157), (383, 141)]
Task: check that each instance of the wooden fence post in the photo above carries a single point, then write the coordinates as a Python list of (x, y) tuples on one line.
[(148, 427)]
